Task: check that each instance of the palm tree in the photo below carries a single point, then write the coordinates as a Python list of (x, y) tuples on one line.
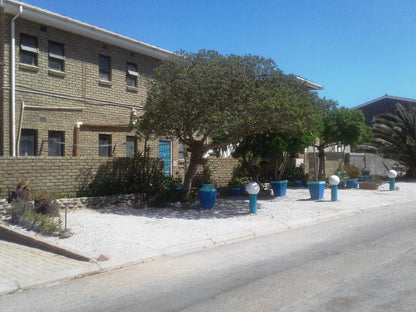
[(395, 137)]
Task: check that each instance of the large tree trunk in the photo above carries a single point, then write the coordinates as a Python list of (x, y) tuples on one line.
[(321, 157), (197, 152)]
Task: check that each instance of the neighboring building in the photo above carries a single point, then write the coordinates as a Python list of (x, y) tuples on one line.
[(70, 88), (382, 105)]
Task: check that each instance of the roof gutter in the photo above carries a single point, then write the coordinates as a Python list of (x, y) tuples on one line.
[(52, 19)]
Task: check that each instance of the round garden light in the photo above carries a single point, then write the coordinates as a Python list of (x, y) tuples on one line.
[(334, 181), (392, 174), (253, 189)]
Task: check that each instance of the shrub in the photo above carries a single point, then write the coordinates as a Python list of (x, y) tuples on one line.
[(42, 223), (44, 205), (352, 172)]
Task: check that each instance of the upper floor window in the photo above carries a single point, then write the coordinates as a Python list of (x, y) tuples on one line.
[(28, 50), (104, 67), (131, 75), (56, 56)]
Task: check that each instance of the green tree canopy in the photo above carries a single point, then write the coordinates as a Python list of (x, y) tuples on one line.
[(340, 125), (208, 100)]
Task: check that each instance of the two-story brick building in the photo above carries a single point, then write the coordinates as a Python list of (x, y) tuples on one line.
[(70, 88)]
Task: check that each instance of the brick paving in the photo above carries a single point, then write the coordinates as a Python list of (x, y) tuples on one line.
[(22, 267)]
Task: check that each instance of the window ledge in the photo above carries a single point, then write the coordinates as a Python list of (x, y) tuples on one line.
[(132, 89), (105, 83), (28, 67), (57, 73)]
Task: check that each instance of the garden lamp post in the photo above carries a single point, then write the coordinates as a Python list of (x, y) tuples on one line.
[(334, 181), (253, 189), (392, 174)]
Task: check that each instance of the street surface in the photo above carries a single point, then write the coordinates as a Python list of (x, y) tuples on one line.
[(359, 263)]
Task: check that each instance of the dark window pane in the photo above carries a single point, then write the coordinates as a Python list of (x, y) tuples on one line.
[(104, 149), (27, 145), (55, 146), (130, 147)]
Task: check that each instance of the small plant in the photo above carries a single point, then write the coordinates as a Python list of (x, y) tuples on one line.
[(352, 172), (22, 191), (203, 178), (237, 182), (44, 205), (43, 223)]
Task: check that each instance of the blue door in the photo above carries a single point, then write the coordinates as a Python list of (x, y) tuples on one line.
[(165, 155)]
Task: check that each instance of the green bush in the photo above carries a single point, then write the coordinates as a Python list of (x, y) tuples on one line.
[(46, 224)]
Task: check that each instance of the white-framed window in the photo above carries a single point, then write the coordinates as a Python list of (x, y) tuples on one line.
[(56, 56), (132, 75), (104, 65), (28, 50)]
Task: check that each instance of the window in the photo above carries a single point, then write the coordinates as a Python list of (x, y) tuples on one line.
[(104, 67), (181, 150), (130, 146), (55, 143), (28, 142), (131, 75), (28, 50), (165, 155), (104, 148), (56, 56)]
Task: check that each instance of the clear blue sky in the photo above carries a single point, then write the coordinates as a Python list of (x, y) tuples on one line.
[(357, 49)]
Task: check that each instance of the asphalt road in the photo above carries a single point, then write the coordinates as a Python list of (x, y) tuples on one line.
[(360, 263)]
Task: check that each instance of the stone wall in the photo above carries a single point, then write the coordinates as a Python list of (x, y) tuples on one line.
[(65, 176), (62, 176), (377, 165)]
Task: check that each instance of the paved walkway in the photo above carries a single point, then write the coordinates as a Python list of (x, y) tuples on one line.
[(23, 267)]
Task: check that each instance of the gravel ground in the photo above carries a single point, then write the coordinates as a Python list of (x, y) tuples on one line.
[(126, 233)]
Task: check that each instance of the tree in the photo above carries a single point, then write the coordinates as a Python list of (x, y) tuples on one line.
[(395, 137), (271, 145), (207, 101), (340, 125)]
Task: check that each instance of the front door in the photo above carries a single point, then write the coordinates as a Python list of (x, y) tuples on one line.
[(165, 154)]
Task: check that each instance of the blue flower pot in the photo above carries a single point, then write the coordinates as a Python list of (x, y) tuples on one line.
[(352, 183), (279, 187), (297, 183), (207, 196), (316, 189), (342, 184), (236, 191)]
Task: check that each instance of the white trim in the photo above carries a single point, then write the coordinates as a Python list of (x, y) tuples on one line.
[(310, 84), (49, 18)]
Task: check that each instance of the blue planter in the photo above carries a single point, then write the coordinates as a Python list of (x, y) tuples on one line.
[(297, 183), (236, 191), (316, 189), (279, 187), (242, 190), (352, 183), (207, 196), (342, 184)]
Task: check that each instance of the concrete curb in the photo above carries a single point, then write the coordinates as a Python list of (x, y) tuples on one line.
[(15, 236)]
